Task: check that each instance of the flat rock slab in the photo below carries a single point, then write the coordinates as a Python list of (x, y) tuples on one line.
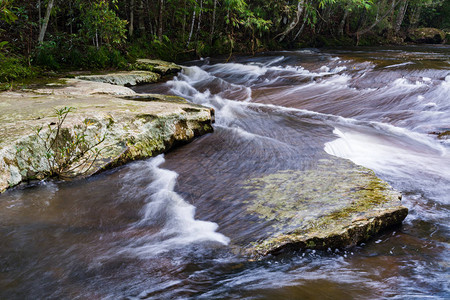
[(337, 204), (74, 87), (133, 129), (129, 78), (157, 66)]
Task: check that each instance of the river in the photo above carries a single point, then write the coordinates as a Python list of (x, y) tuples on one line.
[(171, 227)]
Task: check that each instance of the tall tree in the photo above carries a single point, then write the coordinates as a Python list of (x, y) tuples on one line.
[(400, 15), (45, 22), (160, 21), (131, 24)]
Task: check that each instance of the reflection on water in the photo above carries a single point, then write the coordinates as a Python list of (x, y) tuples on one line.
[(172, 226)]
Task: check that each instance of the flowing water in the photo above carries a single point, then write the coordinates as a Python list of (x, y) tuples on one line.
[(172, 226)]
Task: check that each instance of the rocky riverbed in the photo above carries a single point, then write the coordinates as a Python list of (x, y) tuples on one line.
[(333, 205)]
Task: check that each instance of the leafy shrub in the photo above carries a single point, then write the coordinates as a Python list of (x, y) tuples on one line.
[(68, 152), (61, 52), (116, 59), (75, 58), (14, 68), (47, 55), (96, 58)]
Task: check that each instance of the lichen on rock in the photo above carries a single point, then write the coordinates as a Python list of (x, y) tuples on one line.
[(334, 204), (157, 66)]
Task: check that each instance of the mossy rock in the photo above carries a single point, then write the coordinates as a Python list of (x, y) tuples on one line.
[(426, 35), (158, 66), (336, 204), (444, 135)]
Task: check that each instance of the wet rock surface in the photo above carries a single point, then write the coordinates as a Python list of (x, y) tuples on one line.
[(334, 205)]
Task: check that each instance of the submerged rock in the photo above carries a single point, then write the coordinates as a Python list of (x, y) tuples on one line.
[(133, 129), (336, 204), (444, 135)]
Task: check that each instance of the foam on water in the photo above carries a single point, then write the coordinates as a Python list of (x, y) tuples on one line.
[(170, 214), (400, 65), (405, 83), (391, 157)]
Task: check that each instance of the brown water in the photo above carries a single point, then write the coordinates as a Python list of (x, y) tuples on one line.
[(170, 227)]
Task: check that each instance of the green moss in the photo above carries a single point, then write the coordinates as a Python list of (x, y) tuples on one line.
[(426, 35), (310, 244), (147, 117), (321, 203), (13, 69), (191, 110), (444, 135)]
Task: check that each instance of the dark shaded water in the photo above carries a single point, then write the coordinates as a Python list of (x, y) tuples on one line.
[(171, 227)]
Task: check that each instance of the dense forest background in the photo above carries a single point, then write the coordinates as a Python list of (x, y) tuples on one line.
[(97, 34)]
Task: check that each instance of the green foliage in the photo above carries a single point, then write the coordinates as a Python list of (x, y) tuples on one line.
[(153, 47), (93, 33), (103, 58), (116, 59), (436, 14), (13, 68), (6, 13), (47, 55), (97, 59), (101, 24), (67, 152), (53, 55)]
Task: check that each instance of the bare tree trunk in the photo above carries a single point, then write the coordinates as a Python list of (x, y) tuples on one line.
[(213, 22), (192, 27), (45, 23), (141, 18), (414, 19), (303, 26), (294, 22), (340, 30), (131, 25), (400, 16), (40, 15), (96, 39), (183, 31), (199, 20), (160, 21)]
